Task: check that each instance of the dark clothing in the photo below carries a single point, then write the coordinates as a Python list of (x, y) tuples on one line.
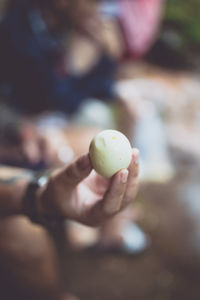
[(29, 55)]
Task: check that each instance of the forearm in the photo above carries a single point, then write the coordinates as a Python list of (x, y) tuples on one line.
[(13, 184)]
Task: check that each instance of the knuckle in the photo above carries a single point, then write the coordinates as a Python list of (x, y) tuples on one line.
[(110, 212), (72, 173)]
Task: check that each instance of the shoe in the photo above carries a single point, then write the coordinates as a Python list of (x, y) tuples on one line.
[(151, 140), (135, 240)]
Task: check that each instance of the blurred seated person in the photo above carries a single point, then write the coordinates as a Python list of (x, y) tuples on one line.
[(37, 58), (55, 54), (27, 251), (40, 54), (38, 45), (35, 38)]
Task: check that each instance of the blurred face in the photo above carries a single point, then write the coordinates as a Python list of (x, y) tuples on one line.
[(75, 11)]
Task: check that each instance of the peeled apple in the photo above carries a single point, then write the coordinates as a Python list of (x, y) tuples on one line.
[(110, 151)]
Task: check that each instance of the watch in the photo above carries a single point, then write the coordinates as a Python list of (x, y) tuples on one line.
[(29, 205)]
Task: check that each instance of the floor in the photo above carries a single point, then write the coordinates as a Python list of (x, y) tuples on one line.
[(169, 213), (170, 269)]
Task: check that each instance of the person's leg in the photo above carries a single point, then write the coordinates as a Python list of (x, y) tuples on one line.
[(28, 257)]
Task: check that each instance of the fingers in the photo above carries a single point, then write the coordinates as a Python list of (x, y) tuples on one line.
[(115, 194), (132, 184), (123, 188), (112, 201), (77, 171)]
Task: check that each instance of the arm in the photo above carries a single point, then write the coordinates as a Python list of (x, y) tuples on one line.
[(75, 192), (79, 193), (13, 183)]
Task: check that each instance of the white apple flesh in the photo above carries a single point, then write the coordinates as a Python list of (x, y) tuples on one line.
[(110, 151)]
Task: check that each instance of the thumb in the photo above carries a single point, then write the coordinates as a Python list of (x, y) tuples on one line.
[(77, 171)]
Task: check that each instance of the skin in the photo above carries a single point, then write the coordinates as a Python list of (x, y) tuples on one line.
[(83, 18), (27, 251), (103, 200), (92, 199)]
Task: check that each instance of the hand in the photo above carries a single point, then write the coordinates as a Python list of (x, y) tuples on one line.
[(36, 147), (79, 193)]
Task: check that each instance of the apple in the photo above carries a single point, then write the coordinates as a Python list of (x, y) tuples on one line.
[(110, 151)]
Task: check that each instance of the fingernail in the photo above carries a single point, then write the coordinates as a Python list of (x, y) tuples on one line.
[(124, 176)]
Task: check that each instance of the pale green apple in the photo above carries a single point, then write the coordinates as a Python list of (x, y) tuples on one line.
[(110, 151)]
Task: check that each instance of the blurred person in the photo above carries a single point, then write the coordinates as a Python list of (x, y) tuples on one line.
[(37, 58), (27, 251), (139, 21), (37, 50), (35, 38), (40, 54), (39, 43)]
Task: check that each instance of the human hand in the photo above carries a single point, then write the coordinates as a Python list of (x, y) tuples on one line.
[(79, 193), (35, 147)]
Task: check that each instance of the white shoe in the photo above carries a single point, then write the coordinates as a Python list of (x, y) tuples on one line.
[(135, 239), (151, 140)]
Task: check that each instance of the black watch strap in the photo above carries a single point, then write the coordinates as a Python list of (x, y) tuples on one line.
[(29, 201), (30, 208)]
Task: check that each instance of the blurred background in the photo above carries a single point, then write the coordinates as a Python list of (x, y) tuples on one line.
[(154, 64)]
